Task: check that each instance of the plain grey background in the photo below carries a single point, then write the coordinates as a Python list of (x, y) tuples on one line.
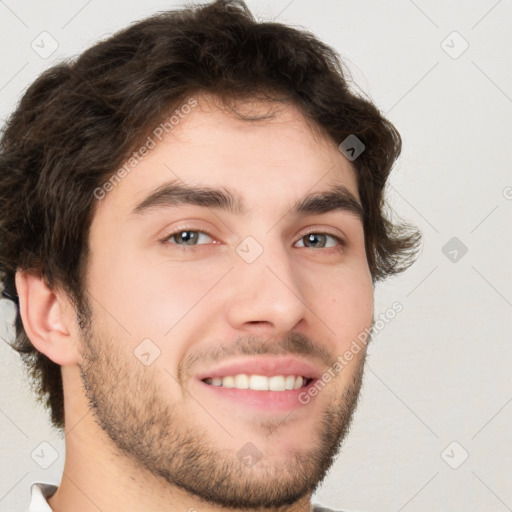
[(432, 431)]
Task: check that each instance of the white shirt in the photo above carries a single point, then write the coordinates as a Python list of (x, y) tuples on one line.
[(39, 492)]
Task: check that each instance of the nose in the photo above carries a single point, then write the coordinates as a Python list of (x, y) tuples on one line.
[(266, 296)]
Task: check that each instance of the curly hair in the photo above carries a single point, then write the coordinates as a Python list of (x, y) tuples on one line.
[(81, 119)]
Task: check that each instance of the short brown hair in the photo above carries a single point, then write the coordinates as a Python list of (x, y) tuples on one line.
[(81, 119)]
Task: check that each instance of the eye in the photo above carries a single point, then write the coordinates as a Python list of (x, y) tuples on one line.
[(185, 237), (191, 237), (320, 238)]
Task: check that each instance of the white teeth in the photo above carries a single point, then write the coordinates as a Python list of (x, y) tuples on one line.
[(258, 382), (289, 382), (241, 381), (228, 382), (276, 383)]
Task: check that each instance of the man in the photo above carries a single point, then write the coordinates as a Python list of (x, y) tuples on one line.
[(192, 228)]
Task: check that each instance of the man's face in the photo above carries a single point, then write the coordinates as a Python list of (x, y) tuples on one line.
[(269, 292)]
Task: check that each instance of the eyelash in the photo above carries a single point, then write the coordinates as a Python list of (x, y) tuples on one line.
[(165, 240)]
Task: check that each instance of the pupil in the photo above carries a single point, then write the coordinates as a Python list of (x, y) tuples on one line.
[(312, 237), (188, 236)]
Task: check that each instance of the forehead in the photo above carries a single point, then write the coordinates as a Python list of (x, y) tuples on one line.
[(271, 154)]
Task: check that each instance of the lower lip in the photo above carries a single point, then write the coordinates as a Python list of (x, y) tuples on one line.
[(275, 401)]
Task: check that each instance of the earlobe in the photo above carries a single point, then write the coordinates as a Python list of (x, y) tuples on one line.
[(46, 319)]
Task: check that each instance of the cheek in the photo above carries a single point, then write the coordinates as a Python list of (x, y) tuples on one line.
[(158, 295), (346, 305)]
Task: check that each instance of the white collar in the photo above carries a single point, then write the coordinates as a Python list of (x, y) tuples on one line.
[(39, 493)]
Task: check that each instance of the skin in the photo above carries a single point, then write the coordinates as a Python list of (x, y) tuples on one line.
[(151, 437)]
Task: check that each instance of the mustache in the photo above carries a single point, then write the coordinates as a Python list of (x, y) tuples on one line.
[(292, 344)]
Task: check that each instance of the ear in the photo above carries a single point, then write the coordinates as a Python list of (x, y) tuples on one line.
[(48, 319)]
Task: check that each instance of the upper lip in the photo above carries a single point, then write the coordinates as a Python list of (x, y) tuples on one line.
[(264, 365)]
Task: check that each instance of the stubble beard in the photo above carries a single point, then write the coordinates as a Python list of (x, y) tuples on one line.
[(127, 405)]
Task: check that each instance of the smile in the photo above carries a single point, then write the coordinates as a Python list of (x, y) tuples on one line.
[(259, 382)]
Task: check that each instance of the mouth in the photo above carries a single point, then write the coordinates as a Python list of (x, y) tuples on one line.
[(273, 384), (260, 382)]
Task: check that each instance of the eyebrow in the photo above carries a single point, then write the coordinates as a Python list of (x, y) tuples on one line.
[(337, 198)]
